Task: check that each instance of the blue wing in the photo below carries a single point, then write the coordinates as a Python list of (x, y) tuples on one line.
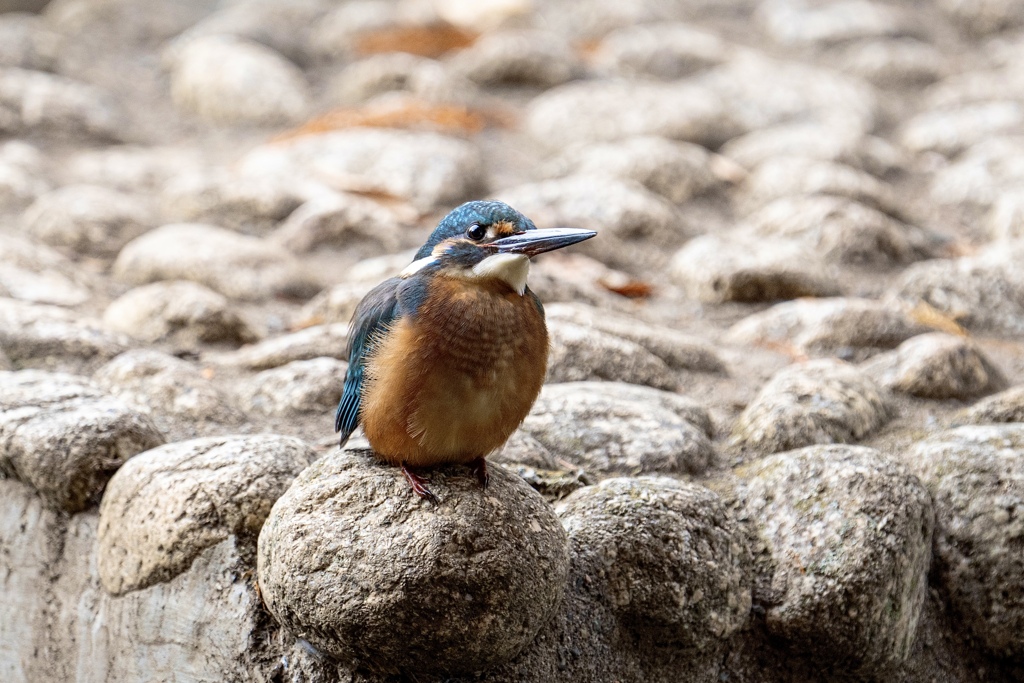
[(372, 316)]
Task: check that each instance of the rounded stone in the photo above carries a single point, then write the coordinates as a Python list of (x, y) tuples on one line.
[(666, 554), (353, 562)]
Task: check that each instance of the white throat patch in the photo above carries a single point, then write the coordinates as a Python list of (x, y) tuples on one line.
[(511, 268)]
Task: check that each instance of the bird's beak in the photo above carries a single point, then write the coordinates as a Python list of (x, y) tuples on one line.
[(533, 242)]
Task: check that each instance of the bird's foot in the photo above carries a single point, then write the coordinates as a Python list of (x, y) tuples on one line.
[(479, 468), (419, 484)]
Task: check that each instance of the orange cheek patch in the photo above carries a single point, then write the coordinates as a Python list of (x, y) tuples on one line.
[(504, 229)]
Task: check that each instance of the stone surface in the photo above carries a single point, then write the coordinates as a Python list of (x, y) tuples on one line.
[(952, 131), (714, 269), (517, 58), (671, 559), (1006, 406), (64, 437), (900, 63), (795, 176), (842, 230), (164, 507), (845, 327), (21, 175), (399, 72), (976, 476), (301, 386), (984, 17), (33, 272), (182, 312), (679, 351), (230, 80), (796, 22), (597, 111), (615, 428), (87, 219), (27, 42), (37, 332), (981, 174), (427, 169), (939, 366), (252, 206), (677, 171), (981, 292), (313, 342), (623, 212), (342, 221), (843, 570), (170, 390), (580, 353), (818, 402), (664, 50), (33, 100), (349, 551), (810, 140), (237, 266)]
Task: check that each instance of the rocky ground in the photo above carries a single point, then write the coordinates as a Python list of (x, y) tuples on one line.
[(781, 437)]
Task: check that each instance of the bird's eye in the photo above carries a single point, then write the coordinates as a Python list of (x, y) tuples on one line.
[(476, 232)]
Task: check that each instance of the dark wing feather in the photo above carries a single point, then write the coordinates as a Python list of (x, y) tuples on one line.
[(373, 314)]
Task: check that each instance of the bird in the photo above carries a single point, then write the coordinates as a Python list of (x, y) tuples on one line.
[(446, 359)]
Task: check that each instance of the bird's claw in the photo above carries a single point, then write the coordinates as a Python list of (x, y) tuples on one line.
[(419, 484), (479, 468)]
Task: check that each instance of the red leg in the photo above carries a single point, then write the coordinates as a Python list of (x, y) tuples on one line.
[(419, 484), (479, 467)]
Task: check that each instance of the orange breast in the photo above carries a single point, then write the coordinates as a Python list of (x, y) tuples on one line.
[(453, 384)]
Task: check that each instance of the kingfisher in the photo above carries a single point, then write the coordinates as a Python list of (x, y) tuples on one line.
[(446, 359)]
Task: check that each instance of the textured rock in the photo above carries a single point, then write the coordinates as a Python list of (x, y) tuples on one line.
[(673, 563), (951, 131), (984, 17), (794, 22), (33, 100), (302, 386), (713, 269), (335, 36), (795, 176), (349, 552), (842, 230), (848, 328), (426, 169), (230, 80), (939, 366), (235, 265), (342, 221), (87, 219), (169, 504), (34, 272), (38, 332), (759, 92), (165, 388), (679, 351), (249, 205), (518, 58), (675, 170), (1006, 406), (27, 42), (182, 312), (895, 64), (399, 72), (21, 171), (609, 427), (981, 292), (809, 140), (663, 50), (596, 111), (818, 402), (132, 168), (313, 342), (64, 437), (622, 211), (843, 572), (582, 353), (976, 476), (980, 175)]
